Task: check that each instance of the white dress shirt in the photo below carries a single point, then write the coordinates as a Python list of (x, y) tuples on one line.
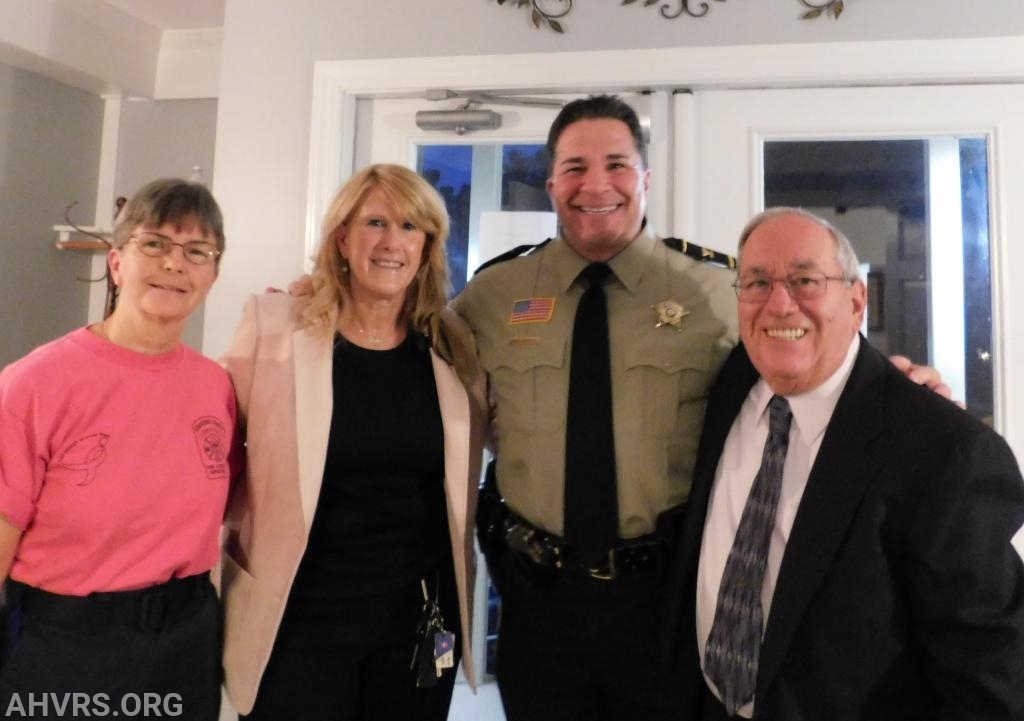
[(739, 464)]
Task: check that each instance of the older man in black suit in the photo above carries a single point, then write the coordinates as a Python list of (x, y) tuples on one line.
[(859, 536)]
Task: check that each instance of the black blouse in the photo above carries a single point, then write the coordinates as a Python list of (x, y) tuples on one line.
[(381, 520)]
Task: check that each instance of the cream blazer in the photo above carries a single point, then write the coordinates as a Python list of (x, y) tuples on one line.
[(282, 375)]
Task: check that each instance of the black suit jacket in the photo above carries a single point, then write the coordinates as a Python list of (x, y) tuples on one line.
[(900, 595)]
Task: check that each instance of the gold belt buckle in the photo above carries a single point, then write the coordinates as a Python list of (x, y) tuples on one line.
[(610, 573)]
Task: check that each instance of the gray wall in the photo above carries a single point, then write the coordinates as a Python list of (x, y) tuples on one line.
[(163, 139), (49, 157)]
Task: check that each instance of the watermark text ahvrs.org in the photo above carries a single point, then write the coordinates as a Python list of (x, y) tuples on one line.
[(73, 705)]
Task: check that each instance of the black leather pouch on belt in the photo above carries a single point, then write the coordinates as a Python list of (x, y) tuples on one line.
[(491, 517)]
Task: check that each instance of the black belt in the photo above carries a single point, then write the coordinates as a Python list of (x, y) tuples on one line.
[(150, 609), (547, 552)]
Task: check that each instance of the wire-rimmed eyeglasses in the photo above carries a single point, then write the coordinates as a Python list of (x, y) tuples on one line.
[(156, 246), (800, 286)]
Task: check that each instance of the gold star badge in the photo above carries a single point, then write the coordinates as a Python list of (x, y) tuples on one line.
[(670, 313)]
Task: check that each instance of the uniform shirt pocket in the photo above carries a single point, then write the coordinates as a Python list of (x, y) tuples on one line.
[(662, 375), (529, 382)]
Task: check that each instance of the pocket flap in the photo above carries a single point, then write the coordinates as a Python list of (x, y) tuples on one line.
[(670, 357), (524, 356)]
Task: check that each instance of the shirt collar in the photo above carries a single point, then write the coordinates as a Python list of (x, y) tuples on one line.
[(812, 410), (627, 265)]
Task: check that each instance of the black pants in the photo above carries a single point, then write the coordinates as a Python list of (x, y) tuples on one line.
[(54, 668), (356, 667), (582, 649)]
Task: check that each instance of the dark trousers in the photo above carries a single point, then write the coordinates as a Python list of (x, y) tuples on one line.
[(356, 667), (55, 668), (582, 649)]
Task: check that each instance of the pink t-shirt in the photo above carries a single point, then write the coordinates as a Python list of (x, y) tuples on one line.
[(115, 464)]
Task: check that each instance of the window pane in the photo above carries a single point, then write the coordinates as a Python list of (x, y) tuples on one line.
[(916, 212), (449, 168), (524, 174), (478, 179)]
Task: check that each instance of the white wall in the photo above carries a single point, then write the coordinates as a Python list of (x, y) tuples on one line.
[(85, 43), (49, 151), (92, 45), (189, 64), (270, 47)]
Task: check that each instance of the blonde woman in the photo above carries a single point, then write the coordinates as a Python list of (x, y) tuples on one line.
[(364, 430)]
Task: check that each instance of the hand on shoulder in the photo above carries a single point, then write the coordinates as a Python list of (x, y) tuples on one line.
[(926, 376)]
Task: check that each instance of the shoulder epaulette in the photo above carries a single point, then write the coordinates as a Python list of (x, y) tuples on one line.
[(704, 255), (510, 254)]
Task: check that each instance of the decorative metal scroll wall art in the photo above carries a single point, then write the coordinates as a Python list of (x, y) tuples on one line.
[(550, 12)]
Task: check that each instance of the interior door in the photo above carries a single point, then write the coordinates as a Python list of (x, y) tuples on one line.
[(939, 259)]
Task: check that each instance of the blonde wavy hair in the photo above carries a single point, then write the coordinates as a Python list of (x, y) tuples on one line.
[(416, 200)]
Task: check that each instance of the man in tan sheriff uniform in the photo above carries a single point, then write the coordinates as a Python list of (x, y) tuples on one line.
[(577, 640)]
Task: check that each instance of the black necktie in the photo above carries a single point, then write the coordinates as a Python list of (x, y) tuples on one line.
[(734, 645), (591, 503)]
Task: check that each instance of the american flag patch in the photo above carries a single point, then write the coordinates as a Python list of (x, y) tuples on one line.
[(532, 310)]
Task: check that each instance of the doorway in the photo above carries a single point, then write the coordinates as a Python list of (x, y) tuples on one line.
[(921, 179)]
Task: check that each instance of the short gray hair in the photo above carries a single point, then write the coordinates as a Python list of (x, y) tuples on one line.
[(846, 256), (170, 201)]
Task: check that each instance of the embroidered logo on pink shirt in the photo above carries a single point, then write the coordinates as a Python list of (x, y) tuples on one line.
[(85, 454), (212, 441)]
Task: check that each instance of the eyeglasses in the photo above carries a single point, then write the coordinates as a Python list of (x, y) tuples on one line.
[(156, 246), (800, 286)]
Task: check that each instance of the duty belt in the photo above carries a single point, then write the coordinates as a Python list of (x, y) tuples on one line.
[(546, 551)]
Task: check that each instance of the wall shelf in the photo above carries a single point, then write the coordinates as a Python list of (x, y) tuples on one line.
[(71, 238)]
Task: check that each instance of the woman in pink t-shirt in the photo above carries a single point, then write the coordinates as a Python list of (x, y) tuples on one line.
[(117, 447)]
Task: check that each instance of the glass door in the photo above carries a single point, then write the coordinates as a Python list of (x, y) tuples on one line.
[(919, 178), (917, 212)]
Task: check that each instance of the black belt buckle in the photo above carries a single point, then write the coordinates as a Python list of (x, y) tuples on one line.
[(608, 572), (625, 561)]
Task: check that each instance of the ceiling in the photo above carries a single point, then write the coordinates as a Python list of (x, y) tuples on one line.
[(174, 14)]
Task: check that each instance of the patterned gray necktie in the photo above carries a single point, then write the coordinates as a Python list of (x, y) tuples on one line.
[(734, 645)]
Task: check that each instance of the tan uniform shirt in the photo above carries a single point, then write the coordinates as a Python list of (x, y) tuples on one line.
[(660, 376)]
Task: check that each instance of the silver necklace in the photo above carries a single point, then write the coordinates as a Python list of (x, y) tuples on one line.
[(375, 340), (371, 339)]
